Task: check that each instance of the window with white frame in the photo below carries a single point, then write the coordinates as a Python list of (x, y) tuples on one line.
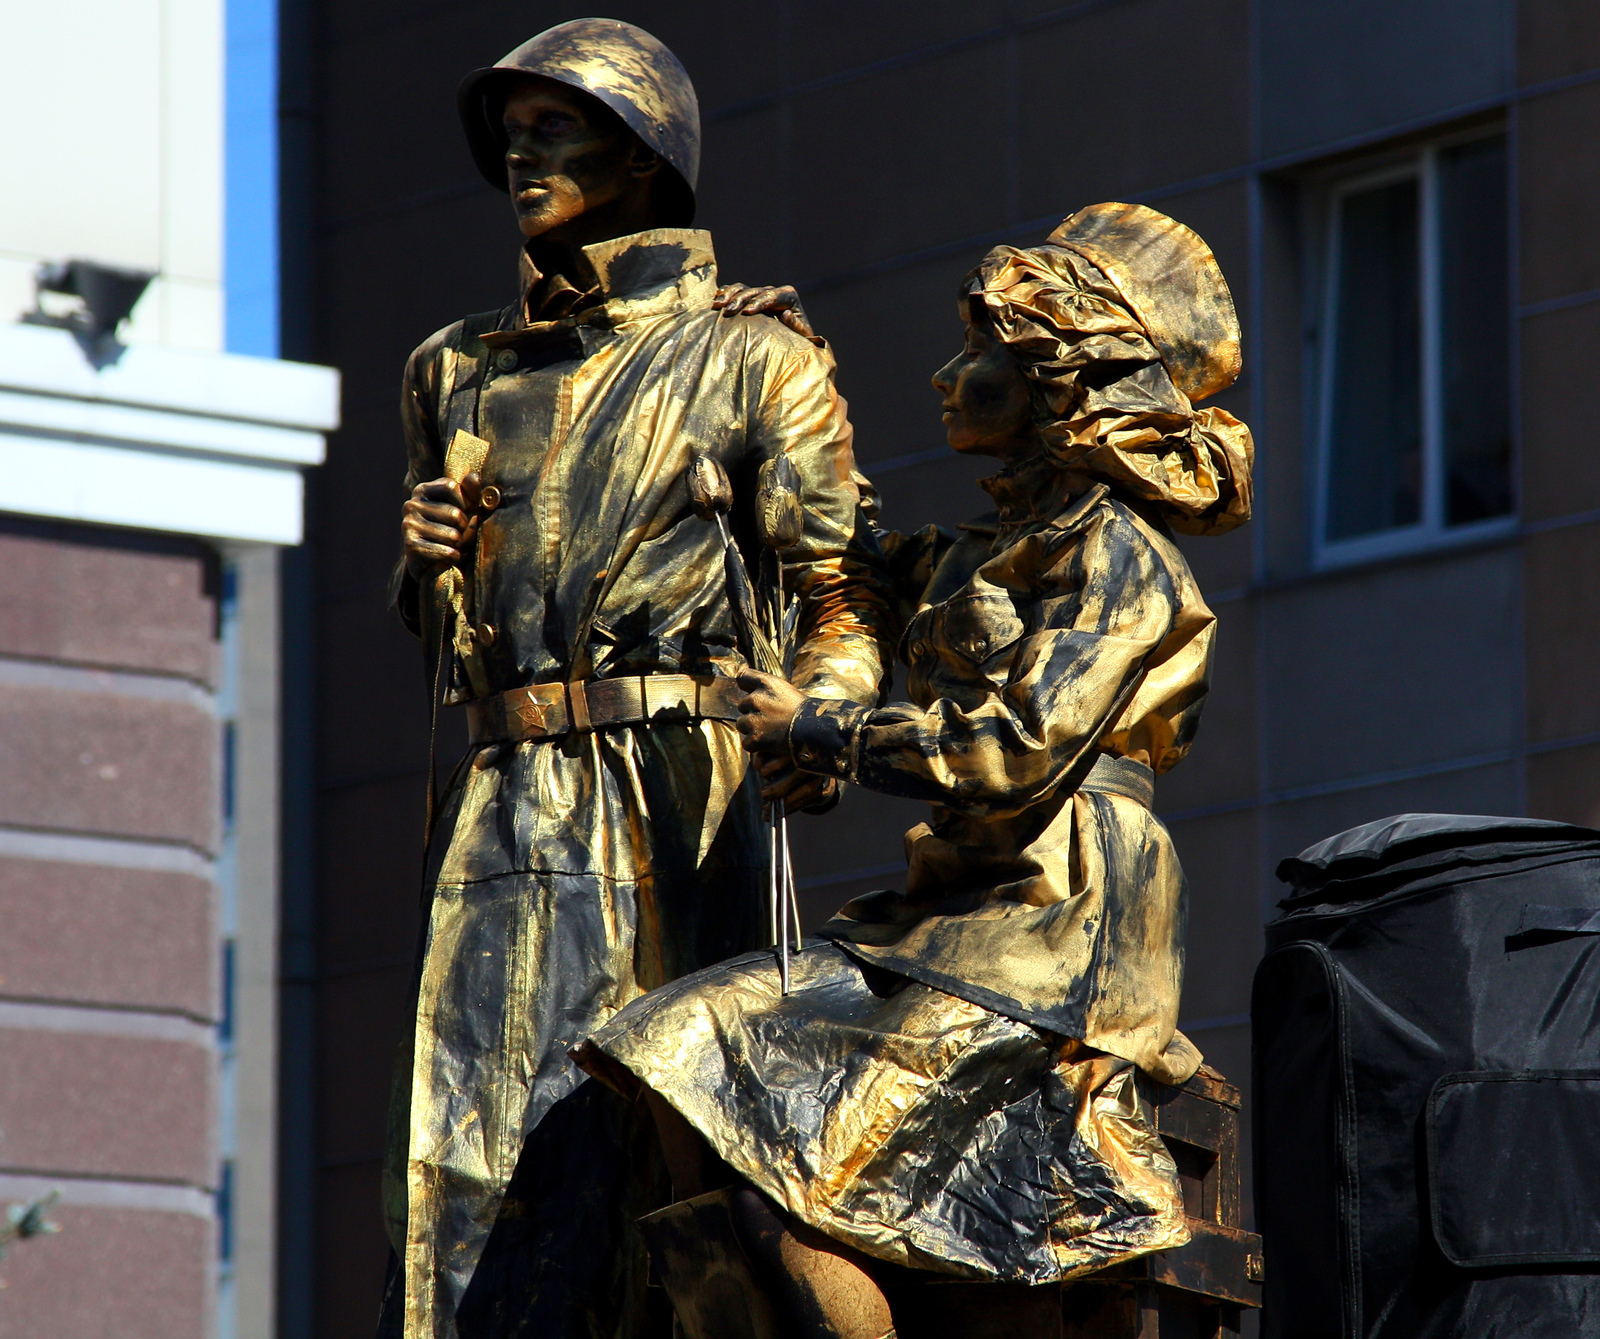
[(1415, 402)]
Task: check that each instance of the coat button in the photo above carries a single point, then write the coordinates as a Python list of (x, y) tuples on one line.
[(804, 755), (490, 498), (485, 634), (506, 359), (919, 649)]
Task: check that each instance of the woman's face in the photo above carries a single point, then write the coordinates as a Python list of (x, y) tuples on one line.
[(987, 407)]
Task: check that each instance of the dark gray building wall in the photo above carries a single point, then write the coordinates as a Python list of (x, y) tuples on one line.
[(1330, 72)]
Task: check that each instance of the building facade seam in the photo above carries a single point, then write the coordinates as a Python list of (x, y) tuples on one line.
[(108, 1193), (92, 848), (1244, 171), (1549, 305), (101, 1021), (58, 676), (1389, 777)]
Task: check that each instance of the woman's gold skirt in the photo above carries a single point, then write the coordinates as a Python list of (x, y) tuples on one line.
[(919, 1128)]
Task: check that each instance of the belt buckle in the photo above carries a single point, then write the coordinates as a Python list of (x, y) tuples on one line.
[(531, 714), (669, 697)]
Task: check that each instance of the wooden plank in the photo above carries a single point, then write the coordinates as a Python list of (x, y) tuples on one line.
[(1219, 1262), (1196, 1120), (1209, 1084), (1149, 1312), (1094, 1309), (1193, 1116), (1197, 1173), (1230, 1207)]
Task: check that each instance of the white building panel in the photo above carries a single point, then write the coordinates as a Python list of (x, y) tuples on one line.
[(150, 490), (207, 444)]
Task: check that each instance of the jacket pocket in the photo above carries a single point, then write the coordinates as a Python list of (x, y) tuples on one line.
[(980, 627)]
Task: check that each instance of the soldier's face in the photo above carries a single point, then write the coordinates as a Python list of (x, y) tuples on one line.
[(987, 407), (563, 160)]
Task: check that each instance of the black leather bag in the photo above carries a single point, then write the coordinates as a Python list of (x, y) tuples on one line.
[(1427, 1084)]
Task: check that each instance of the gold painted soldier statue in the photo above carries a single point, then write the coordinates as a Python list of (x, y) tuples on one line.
[(601, 836), (951, 1081)]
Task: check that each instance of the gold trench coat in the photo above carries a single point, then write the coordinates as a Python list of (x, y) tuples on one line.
[(569, 876)]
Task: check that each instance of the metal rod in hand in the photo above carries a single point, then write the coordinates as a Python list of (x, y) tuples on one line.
[(791, 900), (780, 522), (778, 847), (711, 495), (773, 884), (780, 613)]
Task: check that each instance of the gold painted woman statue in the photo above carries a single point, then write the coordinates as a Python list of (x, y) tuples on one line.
[(950, 1082)]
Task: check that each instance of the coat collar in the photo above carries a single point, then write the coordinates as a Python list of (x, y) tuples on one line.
[(1033, 489), (641, 275)]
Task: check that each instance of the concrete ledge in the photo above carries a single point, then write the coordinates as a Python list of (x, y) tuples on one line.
[(220, 385), (102, 1193), (146, 489), (165, 439)]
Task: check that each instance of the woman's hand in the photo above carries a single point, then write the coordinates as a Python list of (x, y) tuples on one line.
[(765, 714), (781, 302), (435, 529)]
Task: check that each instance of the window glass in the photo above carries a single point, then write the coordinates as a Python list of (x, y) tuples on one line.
[(1375, 430), (1416, 416), (1474, 344)]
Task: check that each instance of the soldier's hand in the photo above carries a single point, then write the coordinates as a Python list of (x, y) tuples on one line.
[(780, 301), (435, 529), (765, 712)]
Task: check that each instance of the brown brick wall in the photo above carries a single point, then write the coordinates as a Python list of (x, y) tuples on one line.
[(1560, 397), (1560, 204), (1563, 646), (101, 598), (113, 1273), (104, 763), (109, 960), (1559, 208), (133, 938), (106, 1106)]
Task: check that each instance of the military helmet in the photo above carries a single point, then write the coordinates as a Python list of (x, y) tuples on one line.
[(1170, 279), (625, 68)]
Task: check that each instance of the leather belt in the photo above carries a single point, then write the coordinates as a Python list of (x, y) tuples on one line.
[(548, 710), (1127, 777)]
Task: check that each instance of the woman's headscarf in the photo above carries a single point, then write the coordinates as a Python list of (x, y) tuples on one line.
[(1121, 320)]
